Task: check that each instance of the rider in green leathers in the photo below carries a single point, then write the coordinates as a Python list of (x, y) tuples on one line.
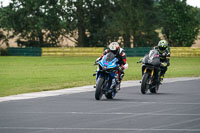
[(164, 55)]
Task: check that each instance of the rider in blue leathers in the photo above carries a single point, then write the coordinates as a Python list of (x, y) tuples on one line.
[(120, 55)]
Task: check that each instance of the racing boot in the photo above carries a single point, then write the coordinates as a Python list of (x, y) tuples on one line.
[(161, 78), (121, 76), (114, 84), (118, 80)]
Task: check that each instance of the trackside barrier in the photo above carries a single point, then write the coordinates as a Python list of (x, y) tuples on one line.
[(175, 51), (24, 51), (97, 51), (130, 52), (73, 51), (90, 51), (138, 51), (185, 51)]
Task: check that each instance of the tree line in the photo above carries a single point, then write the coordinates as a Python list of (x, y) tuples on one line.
[(42, 23)]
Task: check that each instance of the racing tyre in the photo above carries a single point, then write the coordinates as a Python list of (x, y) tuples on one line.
[(145, 83), (155, 89), (99, 88), (110, 95)]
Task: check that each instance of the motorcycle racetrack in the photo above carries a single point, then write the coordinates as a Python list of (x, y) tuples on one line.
[(175, 109)]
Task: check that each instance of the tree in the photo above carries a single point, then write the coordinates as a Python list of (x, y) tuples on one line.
[(134, 19), (146, 35), (178, 22), (197, 11), (89, 21), (37, 21), (98, 13)]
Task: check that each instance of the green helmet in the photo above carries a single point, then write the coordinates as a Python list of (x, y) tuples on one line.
[(162, 45)]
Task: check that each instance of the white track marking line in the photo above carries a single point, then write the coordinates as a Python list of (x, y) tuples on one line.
[(178, 123), (100, 129), (40, 131), (99, 113), (164, 103), (82, 89), (128, 116)]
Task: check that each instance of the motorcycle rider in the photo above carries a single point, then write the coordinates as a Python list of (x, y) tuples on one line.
[(120, 55), (164, 55)]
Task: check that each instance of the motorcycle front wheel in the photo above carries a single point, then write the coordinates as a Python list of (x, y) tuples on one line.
[(145, 83), (99, 89)]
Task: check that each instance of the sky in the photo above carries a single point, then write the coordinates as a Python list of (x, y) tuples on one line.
[(195, 3)]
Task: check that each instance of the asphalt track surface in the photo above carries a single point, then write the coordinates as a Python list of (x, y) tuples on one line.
[(175, 109)]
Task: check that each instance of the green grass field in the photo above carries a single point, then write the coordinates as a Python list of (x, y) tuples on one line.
[(32, 74)]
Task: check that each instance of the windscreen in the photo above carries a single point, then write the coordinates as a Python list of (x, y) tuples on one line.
[(152, 54), (110, 56)]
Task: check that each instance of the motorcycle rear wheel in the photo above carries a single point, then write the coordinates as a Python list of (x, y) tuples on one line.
[(145, 83), (99, 89), (110, 95), (155, 89)]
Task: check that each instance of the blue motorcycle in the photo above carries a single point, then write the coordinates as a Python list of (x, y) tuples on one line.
[(106, 77)]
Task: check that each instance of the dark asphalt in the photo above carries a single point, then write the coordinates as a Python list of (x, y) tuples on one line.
[(175, 109)]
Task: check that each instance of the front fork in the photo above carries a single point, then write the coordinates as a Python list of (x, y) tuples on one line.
[(151, 75), (108, 81)]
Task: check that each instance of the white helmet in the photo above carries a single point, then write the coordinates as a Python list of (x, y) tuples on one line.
[(114, 47)]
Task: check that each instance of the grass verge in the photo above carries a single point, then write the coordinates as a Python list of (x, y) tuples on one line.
[(32, 74)]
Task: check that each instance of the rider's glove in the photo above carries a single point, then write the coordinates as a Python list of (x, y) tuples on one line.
[(120, 68), (98, 59), (164, 54), (164, 64)]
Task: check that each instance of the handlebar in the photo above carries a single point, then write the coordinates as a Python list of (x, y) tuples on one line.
[(139, 61), (96, 63)]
